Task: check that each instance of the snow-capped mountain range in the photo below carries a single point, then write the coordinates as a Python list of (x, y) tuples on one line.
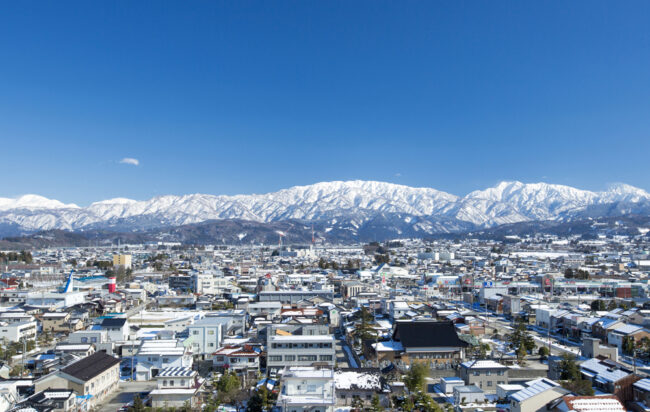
[(335, 205)]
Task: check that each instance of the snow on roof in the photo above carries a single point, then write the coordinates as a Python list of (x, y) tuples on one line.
[(643, 384), (535, 388), (605, 372), (357, 380), (627, 329), (482, 364), (594, 403), (389, 346)]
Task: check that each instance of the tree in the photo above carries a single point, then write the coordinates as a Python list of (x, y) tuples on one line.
[(543, 351), (569, 368), (629, 345), (376, 404), (521, 355), (581, 387), (138, 406), (424, 403), (364, 330), (521, 341), (228, 386), (416, 377), (480, 351), (408, 404), (262, 400), (598, 305)]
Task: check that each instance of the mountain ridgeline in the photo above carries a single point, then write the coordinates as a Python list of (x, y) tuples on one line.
[(338, 211)]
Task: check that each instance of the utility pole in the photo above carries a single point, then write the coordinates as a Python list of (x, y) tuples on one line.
[(22, 372)]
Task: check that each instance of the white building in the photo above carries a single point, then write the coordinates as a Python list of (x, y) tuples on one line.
[(14, 332), (175, 388), (155, 355), (307, 389), (286, 349), (206, 335)]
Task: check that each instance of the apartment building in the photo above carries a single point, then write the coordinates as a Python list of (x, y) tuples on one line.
[(299, 347)]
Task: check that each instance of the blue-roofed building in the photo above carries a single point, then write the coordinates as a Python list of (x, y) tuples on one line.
[(610, 377), (536, 395), (642, 394)]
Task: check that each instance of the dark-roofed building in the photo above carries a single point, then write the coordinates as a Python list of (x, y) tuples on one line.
[(432, 342), (117, 329), (94, 377), (48, 400)]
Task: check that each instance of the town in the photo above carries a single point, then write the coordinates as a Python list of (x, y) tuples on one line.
[(537, 323)]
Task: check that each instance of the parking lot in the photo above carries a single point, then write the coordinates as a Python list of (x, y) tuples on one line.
[(124, 395)]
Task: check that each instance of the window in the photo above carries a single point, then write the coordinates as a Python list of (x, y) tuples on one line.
[(171, 383), (307, 358), (93, 340), (488, 373), (290, 358), (326, 357), (500, 373), (275, 358), (84, 340), (489, 383), (211, 332), (195, 332), (476, 373)]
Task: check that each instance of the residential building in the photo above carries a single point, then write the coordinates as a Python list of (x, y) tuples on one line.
[(94, 377), (486, 374), (306, 389), (176, 387)]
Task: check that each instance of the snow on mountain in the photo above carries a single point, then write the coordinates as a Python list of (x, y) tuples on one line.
[(353, 204), (33, 202)]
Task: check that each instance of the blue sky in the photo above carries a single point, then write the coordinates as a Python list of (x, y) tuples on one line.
[(249, 97)]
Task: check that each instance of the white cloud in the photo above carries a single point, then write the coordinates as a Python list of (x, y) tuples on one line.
[(130, 161)]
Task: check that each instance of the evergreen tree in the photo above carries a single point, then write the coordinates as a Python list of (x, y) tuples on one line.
[(416, 377)]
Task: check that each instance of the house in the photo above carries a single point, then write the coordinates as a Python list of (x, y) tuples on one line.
[(616, 336), (641, 395), (49, 400), (82, 349), (55, 322), (486, 374), (610, 377), (536, 395), (243, 359), (95, 377), (447, 384), (468, 394), (175, 388), (431, 342), (155, 355), (588, 404), (307, 389), (117, 329), (362, 384)]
